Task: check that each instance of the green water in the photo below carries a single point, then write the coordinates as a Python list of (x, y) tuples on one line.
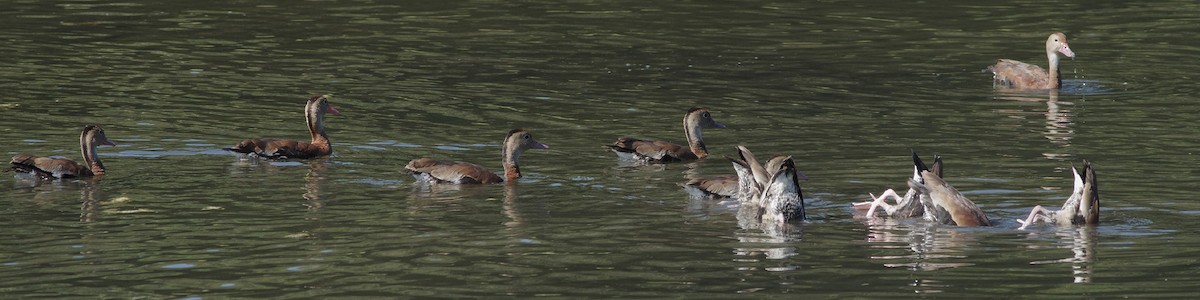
[(847, 88)]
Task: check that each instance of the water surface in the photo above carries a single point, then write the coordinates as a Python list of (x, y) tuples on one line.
[(847, 88)]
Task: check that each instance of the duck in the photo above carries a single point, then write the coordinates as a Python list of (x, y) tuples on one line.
[(908, 206), (743, 185), (715, 187), (435, 171), (782, 200), (652, 151), (770, 191), (751, 176), (942, 202), (1013, 74), (730, 185), (50, 168), (1081, 208), (270, 148)]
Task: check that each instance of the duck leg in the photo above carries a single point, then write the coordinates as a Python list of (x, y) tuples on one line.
[(880, 201), (1038, 213)]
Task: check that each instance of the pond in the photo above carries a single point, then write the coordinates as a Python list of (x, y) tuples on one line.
[(846, 88)]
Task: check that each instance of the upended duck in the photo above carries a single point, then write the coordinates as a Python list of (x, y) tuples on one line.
[(1082, 207), (773, 189), (942, 202), (653, 151), (457, 172), (50, 167), (727, 186), (908, 206), (314, 116)]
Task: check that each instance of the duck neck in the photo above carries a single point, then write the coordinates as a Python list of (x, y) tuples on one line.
[(87, 145), (1055, 79), (315, 117), (511, 170), (695, 140)]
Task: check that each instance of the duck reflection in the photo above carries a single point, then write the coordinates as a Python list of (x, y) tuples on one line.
[(1083, 252), (933, 246), (89, 206), (312, 184), (1058, 118), (1058, 121), (510, 209), (46, 192), (313, 178), (772, 240)]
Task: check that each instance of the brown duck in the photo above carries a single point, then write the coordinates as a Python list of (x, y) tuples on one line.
[(517, 141), (660, 151), (1013, 74), (314, 115), (47, 167), (942, 202), (732, 186)]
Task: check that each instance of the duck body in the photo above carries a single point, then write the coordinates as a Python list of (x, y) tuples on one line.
[(429, 170), (271, 148), (1012, 74), (53, 167), (783, 200), (717, 187), (455, 172), (653, 151)]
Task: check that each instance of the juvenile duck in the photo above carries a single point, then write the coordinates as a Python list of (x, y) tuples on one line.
[(1013, 74)]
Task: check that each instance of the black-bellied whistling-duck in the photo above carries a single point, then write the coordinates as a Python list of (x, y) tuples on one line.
[(1013, 74), (721, 186), (943, 203), (751, 175), (782, 201), (908, 206), (660, 151), (732, 186), (517, 141), (314, 115), (743, 183), (1083, 207), (46, 167), (772, 190)]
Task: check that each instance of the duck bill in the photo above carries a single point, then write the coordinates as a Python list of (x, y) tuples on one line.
[(538, 145), (718, 125), (332, 110), (1066, 50)]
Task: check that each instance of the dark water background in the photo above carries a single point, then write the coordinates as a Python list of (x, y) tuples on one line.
[(847, 88)]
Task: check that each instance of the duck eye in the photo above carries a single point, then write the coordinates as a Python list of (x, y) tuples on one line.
[(705, 115), (525, 137)]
